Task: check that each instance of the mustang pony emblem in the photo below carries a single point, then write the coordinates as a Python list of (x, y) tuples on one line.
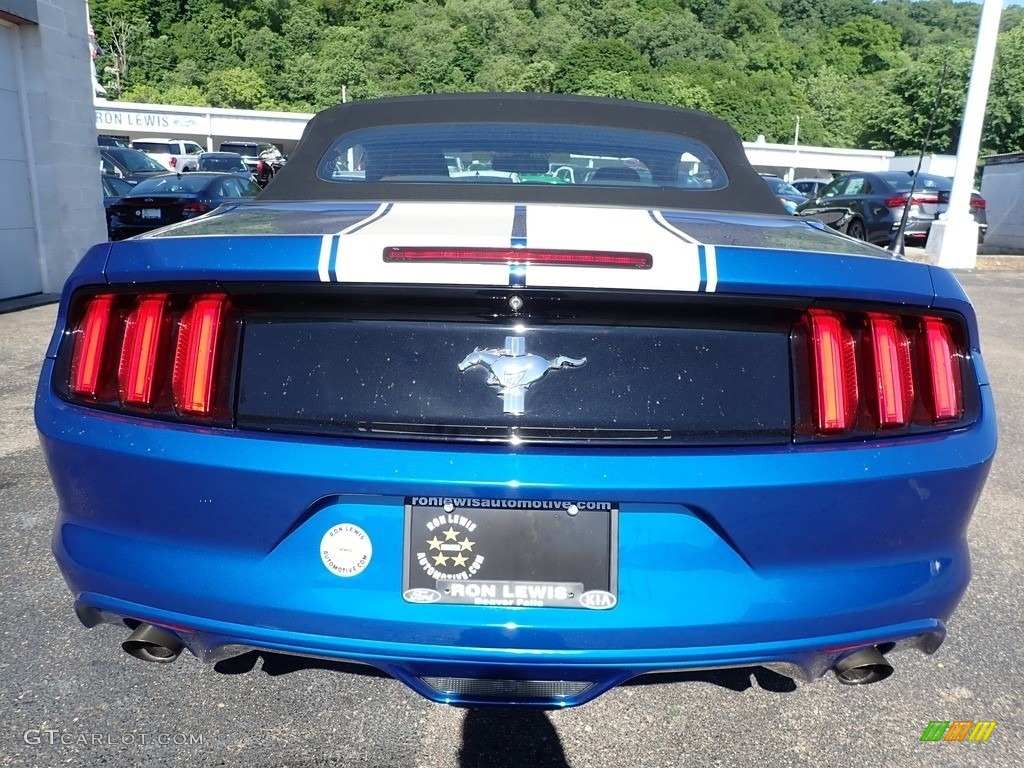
[(512, 371)]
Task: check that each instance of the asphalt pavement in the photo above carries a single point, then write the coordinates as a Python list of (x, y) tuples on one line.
[(70, 696)]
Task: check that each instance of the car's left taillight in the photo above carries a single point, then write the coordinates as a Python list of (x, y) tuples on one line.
[(161, 354)]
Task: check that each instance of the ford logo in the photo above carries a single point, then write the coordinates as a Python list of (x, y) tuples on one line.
[(421, 595)]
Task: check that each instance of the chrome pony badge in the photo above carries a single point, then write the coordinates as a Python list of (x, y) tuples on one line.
[(512, 370)]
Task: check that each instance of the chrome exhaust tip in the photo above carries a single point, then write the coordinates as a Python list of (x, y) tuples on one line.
[(150, 643), (862, 667)]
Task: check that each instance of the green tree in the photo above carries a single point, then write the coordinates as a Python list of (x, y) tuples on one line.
[(1004, 123), (664, 37), (238, 88), (864, 45), (899, 116), (743, 18), (585, 59)]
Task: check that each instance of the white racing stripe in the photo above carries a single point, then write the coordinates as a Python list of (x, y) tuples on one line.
[(658, 217), (329, 243), (710, 259), (324, 264), (448, 225), (676, 264), (677, 257)]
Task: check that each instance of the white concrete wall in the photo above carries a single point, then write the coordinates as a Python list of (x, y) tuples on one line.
[(62, 138), (19, 271), (207, 125), (1002, 186), (940, 165)]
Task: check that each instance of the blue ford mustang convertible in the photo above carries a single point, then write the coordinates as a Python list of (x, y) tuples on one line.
[(515, 398)]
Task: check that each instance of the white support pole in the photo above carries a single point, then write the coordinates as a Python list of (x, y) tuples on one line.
[(955, 239)]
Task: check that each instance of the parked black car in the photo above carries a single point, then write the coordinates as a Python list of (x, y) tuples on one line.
[(174, 197), (129, 164), (264, 159), (113, 190), (869, 206)]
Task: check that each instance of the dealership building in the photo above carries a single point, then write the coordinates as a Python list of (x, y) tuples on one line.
[(51, 114)]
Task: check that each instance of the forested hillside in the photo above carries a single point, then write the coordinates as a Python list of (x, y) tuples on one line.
[(852, 73)]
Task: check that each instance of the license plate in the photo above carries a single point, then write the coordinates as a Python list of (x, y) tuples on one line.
[(514, 553), (151, 213)]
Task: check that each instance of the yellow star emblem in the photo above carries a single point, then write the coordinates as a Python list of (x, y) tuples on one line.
[(451, 535), (435, 543), (440, 559), (467, 544), (459, 561)]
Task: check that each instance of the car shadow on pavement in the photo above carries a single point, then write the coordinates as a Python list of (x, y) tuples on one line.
[(498, 737), (275, 664), (503, 737), (739, 679)]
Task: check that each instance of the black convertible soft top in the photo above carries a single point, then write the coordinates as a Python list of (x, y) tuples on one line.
[(302, 179)]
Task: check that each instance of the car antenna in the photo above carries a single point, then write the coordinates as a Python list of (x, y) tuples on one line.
[(897, 242)]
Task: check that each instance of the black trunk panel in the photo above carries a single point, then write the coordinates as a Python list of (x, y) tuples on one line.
[(375, 377)]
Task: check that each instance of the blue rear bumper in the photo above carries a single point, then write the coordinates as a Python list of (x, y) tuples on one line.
[(779, 556)]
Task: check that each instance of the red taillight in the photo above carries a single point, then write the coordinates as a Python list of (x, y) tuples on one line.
[(261, 166), (978, 202), (520, 256), (893, 377), (195, 209), (173, 162), (144, 336), (91, 344), (901, 200), (878, 371), (170, 348), (195, 360), (835, 372), (946, 390)]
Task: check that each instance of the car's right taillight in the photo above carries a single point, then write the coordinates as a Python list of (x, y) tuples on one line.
[(195, 209)]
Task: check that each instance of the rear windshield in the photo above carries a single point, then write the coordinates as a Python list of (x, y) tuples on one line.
[(780, 187), (160, 148), (242, 149), (134, 160), (171, 184), (901, 181), (521, 153), (208, 163)]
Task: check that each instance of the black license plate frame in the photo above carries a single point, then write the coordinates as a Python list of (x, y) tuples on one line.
[(510, 552)]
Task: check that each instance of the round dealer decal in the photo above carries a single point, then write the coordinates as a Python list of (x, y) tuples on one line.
[(346, 550)]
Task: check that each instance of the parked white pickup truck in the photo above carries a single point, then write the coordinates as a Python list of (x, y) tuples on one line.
[(172, 154)]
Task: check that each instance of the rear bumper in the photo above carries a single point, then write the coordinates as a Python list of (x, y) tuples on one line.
[(771, 556), (466, 675), (918, 229)]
